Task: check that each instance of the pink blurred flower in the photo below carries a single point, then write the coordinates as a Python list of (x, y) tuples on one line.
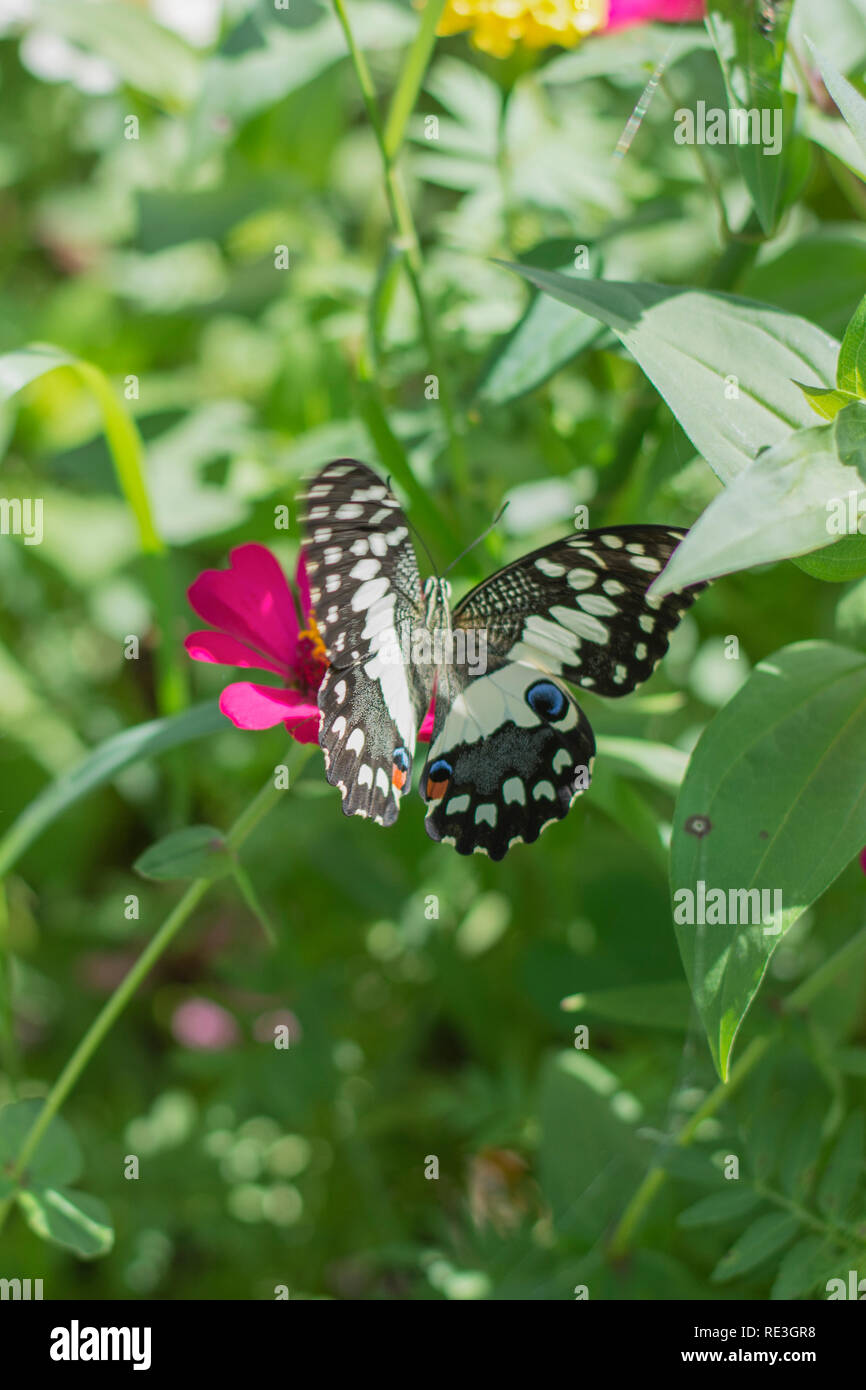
[(203, 1025), (622, 13), (255, 616)]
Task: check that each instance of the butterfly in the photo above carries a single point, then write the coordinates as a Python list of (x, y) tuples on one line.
[(511, 748)]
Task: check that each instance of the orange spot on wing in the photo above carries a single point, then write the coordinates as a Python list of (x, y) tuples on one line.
[(398, 777), (436, 790)]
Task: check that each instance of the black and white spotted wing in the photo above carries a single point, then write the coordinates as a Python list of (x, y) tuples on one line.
[(579, 608), (366, 593), (510, 752), (511, 748)]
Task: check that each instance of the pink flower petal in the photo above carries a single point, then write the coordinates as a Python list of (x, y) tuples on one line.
[(303, 722), (425, 733), (251, 706), (250, 601), (625, 12), (303, 585), (227, 651)]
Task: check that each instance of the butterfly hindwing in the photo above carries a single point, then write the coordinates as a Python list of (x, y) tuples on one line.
[(510, 752), (579, 608), (365, 592)]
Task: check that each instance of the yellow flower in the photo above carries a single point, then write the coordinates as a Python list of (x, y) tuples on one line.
[(498, 26)]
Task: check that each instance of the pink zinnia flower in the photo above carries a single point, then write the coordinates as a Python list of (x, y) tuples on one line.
[(255, 614), (622, 13)]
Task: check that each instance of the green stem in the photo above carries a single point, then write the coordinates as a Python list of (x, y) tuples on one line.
[(407, 238), (406, 94), (656, 1175), (114, 1006), (798, 999)]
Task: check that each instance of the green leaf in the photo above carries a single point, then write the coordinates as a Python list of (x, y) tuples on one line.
[(197, 851), (634, 51), (663, 1005), (100, 766), (847, 98), (147, 55), (720, 1208), (18, 369), (851, 366), (844, 1170), (838, 563), (548, 336), (73, 1220), (58, 1158), (751, 61), (792, 500), (236, 88), (774, 799), (692, 343), (804, 1267), (765, 1237), (590, 1157), (828, 401)]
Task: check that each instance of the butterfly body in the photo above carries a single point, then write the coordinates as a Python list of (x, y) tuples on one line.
[(511, 748)]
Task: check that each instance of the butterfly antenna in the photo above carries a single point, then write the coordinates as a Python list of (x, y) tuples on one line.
[(417, 534), (634, 121), (478, 539)]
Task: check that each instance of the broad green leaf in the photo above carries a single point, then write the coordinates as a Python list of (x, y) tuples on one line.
[(751, 54), (838, 563), (58, 1157), (724, 365), (663, 1005), (73, 1220), (804, 1267), (775, 800), (767, 1236), (548, 336), (795, 498), (847, 98), (196, 851), (827, 401), (721, 1207), (846, 1167), (100, 766), (851, 366)]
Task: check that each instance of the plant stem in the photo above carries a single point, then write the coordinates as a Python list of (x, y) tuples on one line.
[(798, 999), (656, 1175), (406, 94), (407, 240), (114, 1006)]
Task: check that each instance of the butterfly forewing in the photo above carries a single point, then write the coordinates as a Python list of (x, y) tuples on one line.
[(366, 596), (579, 608)]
